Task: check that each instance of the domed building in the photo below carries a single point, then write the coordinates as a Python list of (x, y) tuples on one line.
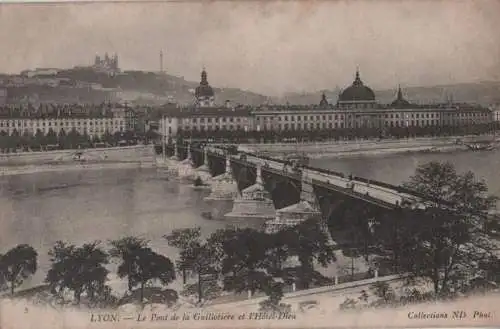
[(400, 102), (324, 101), (204, 94), (357, 95)]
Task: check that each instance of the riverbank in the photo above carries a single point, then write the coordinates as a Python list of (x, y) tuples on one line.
[(139, 156), (137, 153), (343, 149), (35, 169)]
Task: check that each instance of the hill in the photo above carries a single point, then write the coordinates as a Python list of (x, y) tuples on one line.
[(83, 84)]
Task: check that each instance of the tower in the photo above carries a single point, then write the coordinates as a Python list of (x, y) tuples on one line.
[(204, 94), (115, 62), (400, 93), (161, 61)]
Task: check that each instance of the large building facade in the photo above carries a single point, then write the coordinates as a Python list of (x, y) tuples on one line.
[(356, 108), (94, 121)]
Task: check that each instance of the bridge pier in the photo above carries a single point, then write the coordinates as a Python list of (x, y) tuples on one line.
[(203, 172), (185, 168), (255, 206), (224, 191), (171, 163), (306, 208)]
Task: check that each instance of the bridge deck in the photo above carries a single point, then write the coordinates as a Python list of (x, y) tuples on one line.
[(383, 195)]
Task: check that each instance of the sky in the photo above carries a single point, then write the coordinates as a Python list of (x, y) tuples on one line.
[(267, 47)]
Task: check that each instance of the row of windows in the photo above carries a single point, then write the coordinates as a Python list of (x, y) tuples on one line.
[(202, 128), (80, 130), (387, 123), (222, 119), (55, 124), (386, 116), (338, 117), (331, 125)]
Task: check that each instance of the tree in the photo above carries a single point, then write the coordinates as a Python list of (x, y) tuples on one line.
[(18, 264), (309, 243), (140, 264), (186, 240), (117, 137), (51, 137), (39, 138), (216, 245), (80, 269), (61, 138), (245, 264), (15, 139), (108, 138), (96, 139), (26, 139), (73, 138), (4, 140), (151, 135), (84, 139), (126, 249), (447, 240), (150, 266), (199, 261)]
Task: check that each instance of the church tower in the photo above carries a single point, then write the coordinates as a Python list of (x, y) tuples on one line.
[(204, 94)]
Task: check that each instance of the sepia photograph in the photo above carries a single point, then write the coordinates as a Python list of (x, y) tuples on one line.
[(249, 164)]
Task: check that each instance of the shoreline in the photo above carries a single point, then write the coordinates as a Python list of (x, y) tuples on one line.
[(44, 168), (346, 149), (387, 151)]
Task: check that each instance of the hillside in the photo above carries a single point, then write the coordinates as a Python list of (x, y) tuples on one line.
[(151, 88), (135, 87)]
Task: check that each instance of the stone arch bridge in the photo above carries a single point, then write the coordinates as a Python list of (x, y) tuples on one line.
[(339, 198)]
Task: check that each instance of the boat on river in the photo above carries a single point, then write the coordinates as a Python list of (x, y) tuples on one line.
[(480, 146), (487, 145)]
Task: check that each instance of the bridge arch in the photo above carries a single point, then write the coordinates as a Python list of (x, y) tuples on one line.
[(284, 191)]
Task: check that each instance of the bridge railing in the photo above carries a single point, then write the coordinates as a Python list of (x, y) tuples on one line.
[(389, 190)]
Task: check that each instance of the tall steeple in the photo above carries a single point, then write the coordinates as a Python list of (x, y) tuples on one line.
[(357, 80), (400, 93), (161, 61), (400, 101), (323, 101)]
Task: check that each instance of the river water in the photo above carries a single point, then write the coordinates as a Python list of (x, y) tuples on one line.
[(78, 207), (397, 168)]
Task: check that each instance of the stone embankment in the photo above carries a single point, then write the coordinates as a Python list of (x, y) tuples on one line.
[(364, 147), (98, 158)]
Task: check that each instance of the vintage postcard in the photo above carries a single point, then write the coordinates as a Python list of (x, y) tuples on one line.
[(249, 164)]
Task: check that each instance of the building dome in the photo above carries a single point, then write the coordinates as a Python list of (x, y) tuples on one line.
[(204, 89), (357, 92), (400, 102)]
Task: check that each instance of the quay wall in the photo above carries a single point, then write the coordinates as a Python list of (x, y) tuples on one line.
[(346, 148), (126, 154)]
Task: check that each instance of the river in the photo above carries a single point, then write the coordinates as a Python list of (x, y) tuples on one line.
[(397, 168), (77, 207)]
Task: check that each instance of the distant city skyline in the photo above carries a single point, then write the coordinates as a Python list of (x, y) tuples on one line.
[(268, 48)]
